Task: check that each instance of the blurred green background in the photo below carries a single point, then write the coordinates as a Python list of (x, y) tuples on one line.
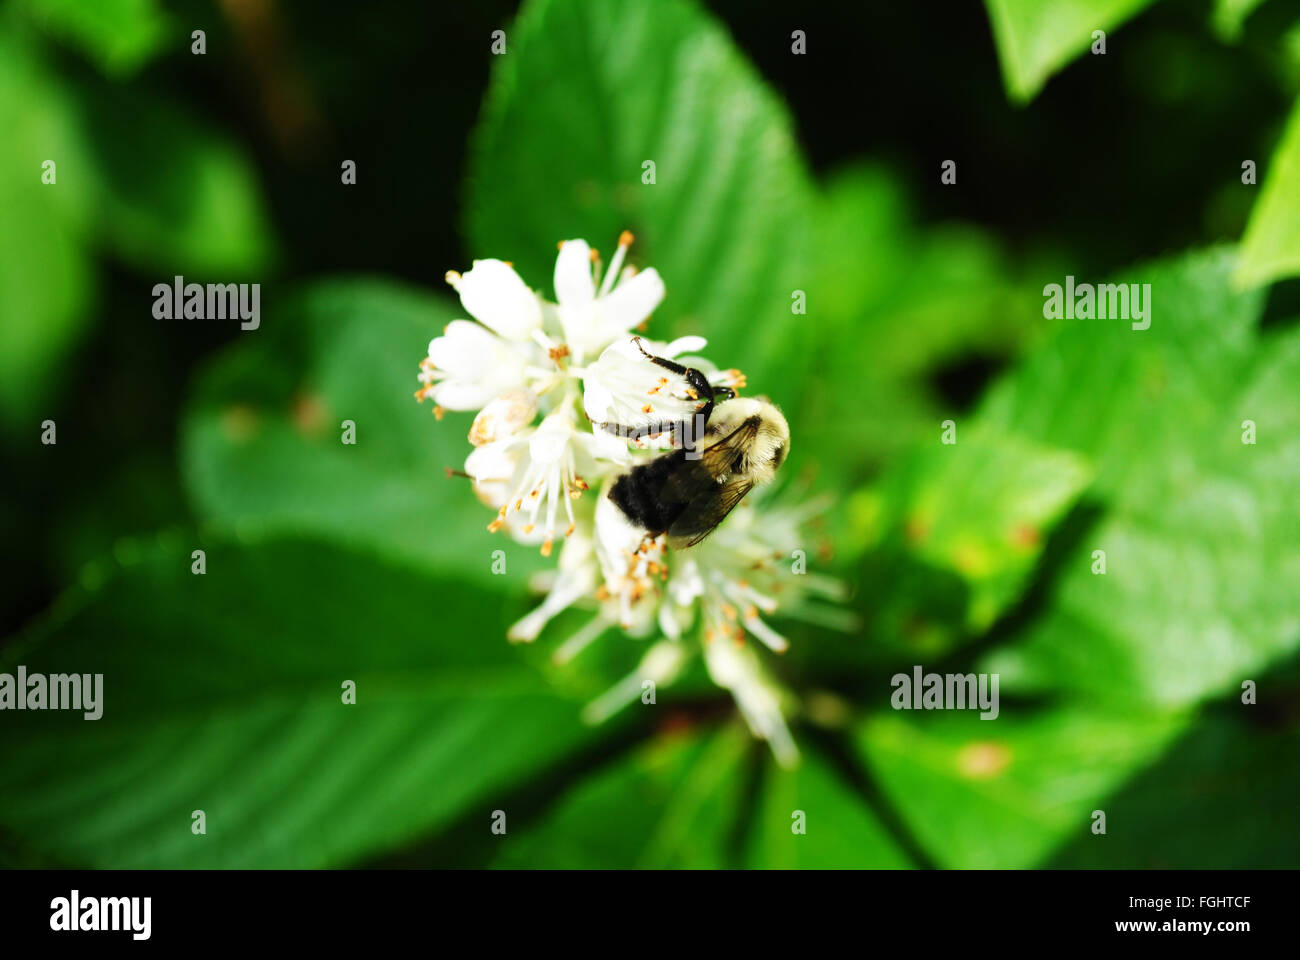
[(776, 172)]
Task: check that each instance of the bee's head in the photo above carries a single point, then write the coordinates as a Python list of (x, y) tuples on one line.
[(771, 441)]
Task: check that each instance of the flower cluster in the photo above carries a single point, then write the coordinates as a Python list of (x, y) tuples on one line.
[(540, 374)]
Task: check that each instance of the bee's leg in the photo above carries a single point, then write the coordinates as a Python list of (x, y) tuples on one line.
[(644, 553), (676, 368), (675, 427), (698, 381)]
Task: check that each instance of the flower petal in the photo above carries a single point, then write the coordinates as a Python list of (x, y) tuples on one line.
[(496, 469), (551, 439), (681, 345), (574, 286), (496, 296), (463, 350), (623, 387), (474, 365), (631, 301), (503, 417), (461, 394)]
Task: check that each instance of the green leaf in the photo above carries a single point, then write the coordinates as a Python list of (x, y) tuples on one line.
[(841, 832), (119, 35), (670, 804), (589, 92), (1222, 798), (892, 303), (138, 498), (178, 195), (1036, 38), (982, 508), (1199, 587), (1006, 792), (262, 449), (1138, 403), (46, 282), (1199, 538), (1230, 17), (1270, 249), (223, 693)]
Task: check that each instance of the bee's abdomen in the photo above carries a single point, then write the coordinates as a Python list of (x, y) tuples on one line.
[(641, 494)]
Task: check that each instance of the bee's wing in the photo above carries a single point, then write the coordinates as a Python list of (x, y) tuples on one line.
[(700, 518), (716, 492), (720, 458)]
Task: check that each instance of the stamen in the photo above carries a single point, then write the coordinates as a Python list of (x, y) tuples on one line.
[(773, 640), (616, 263), (543, 341)]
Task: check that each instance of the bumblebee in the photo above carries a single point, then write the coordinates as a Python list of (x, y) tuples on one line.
[(732, 445)]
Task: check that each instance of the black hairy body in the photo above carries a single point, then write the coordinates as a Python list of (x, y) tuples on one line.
[(639, 493), (687, 492), (731, 445)]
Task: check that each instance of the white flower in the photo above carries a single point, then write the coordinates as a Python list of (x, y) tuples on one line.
[(468, 366), (496, 297), (592, 317), (558, 456), (504, 417), (525, 358), (735, 666), (497, 469), (623, 387), (576, 579), (752, 566), (473, 363)]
